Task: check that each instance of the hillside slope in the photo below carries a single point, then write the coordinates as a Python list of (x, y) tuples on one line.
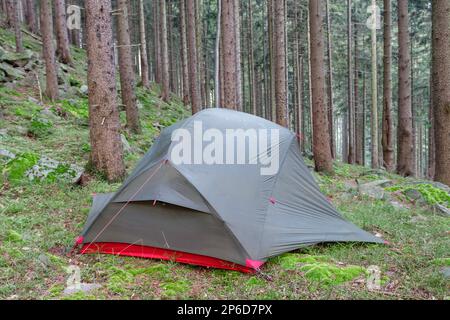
[(44, 147)]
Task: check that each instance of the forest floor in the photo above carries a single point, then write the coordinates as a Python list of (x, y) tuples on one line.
[(40, 219)]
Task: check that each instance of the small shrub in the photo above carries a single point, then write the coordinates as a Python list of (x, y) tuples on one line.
[(40, 127), (431, 194), (17, 167)]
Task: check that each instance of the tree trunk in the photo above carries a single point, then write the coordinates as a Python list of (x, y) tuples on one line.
[(405, 165), (30, 15), (330, 81), (165, 92), (441, 88), (237, 28), (229, 51), (62, 36), (359, 125), (351, 106), (15, 23), (251, 59), (107, 151), (431, 143), (280, 63), (127, 77), (374, 116), (143, 47), (388, 127), (48, 50), (217, 86), (321, 136), (192, 54), (184, 55)]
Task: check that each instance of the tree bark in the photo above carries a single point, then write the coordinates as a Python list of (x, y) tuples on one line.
[(374, 117), (144, 58), (107, 151), (280, 63), (351, 106), (229, 52), (15, 23), (388, 127), (321, 136), (251, 59), (441, 87), (330, 81), (217, 78), (48, 50), (62, 36), (30, 15), (184, 54), (405, 165), (237, 28), (359, 125), (165, 92), (192, 54), (127, 77)]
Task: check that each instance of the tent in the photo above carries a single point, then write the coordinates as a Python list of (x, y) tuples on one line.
[(224, 214)]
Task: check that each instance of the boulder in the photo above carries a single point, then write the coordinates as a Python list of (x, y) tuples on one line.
[(17, 59), (11, 73), (375, 189), (441, 209), (81, 287), (84, 89), (47, 113), (446, 272), (7, 154)]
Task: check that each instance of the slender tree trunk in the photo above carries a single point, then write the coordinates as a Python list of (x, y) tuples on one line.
[(107, 151), (229, 48), (251, 59), (280, 63), (15, 23), (237, 28), (441, 88), (374, 117), (48, 50), (192, 54), (321, 136), (217, 87), (405, 165), (359, 125), (271, 37), (184, 55), (62, 36), (431, 143), (351, 106), (30, 16), (143, 47), (157, 41), (388, 127), (165, 93), (330, 81), (127, 77)]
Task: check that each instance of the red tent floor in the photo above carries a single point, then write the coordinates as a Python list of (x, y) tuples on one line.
[(133, 250)]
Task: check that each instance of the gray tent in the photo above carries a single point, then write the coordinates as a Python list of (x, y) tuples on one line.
[(219, 215)]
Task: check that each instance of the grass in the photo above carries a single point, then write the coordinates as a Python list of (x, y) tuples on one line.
[(39, 222)]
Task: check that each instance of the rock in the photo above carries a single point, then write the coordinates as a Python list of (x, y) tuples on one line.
[(44, 260), (20, 130), (33, 100), (11, 73), (47, 113), (398, 205), (3, 132), (2, 53), (30, 65), (2, 76), (7, 154), (413, 194), (84, 89), (126, 145), (446, 272), (374, 189), (441, 209), (83, 287), (17, 59)]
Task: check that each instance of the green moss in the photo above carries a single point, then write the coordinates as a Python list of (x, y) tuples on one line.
[(13, 236), (174, 289), (443, 262), (329, 275), (77, 108), (431, 194), (254, 282), (291, 261)]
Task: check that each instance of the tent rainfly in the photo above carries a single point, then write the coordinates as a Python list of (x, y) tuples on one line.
[(221, 214)]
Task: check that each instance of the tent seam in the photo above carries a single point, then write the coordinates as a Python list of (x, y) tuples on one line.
[(271, 194)]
